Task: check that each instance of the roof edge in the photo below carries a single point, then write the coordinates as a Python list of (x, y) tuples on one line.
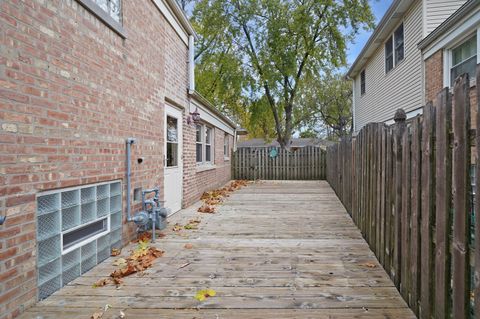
[(461, 12), (182, 17), (381, 25)]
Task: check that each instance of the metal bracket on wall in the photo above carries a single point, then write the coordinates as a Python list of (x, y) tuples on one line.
[(2, 219)]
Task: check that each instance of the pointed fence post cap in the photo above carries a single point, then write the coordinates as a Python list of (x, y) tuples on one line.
[(400, 116)]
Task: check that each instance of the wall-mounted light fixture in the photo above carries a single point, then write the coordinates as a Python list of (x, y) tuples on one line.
[(194, 117)]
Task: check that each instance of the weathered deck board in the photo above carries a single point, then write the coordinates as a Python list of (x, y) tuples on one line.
[(274, 250)]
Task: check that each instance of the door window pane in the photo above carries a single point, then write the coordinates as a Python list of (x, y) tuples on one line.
[(172, 129), (172, 154), (172, 141)]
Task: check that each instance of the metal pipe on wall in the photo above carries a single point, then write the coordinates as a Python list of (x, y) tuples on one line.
[(129, 143)]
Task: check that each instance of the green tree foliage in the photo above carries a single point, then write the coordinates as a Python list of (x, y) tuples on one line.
[(255, 55), (327, 106)]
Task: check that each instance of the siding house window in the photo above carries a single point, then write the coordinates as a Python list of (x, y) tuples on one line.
[(204, 144), (394, 49), (226, 146), (464, 59), (362, 82), (389, 55), (399, 44)]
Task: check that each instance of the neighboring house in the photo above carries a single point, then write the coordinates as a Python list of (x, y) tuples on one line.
[(294, 143), (453, 49), (388, 73), (79, 77)]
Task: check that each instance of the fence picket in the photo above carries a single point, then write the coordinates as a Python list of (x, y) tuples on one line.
[(460, 189), (442, 203)]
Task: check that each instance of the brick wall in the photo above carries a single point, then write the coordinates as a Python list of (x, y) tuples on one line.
[(434, 83), (196, 180), (433, 75), (71, 92)]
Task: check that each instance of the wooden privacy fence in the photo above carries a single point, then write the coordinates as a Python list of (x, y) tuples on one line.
[(274, 163), (408, 187)]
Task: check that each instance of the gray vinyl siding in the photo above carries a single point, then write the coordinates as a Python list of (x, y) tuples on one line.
[(437, 11), (402, 87)]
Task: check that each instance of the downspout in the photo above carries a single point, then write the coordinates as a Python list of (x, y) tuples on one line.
[(129, 143), (191, 64)]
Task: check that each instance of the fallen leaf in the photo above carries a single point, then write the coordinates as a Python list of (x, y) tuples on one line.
[(204, 294), (121, 315), (101, 283), (177, 227), (120, 262), (115, 252), (184, 265), (206, 209), (97, 315), (188, 246), (369, 265)]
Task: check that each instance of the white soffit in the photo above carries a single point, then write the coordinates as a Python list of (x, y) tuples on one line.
[(208, 116)]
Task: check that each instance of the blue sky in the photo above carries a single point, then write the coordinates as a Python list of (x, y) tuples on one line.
[(379, 8)]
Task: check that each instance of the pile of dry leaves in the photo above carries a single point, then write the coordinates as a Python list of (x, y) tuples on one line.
[(213, 198), (140, 259)]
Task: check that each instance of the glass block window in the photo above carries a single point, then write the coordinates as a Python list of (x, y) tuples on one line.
[(112, 7), (76, 229)]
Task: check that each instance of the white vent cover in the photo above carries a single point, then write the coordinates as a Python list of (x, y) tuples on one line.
[(89, 218)]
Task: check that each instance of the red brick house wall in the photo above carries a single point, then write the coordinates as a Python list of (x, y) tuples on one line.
[(197, 179), (71, 91), (434, 83)]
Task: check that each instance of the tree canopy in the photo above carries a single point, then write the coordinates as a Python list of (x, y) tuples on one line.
[(254, 57)]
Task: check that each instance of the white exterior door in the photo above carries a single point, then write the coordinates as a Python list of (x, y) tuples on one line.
[(173, 158)]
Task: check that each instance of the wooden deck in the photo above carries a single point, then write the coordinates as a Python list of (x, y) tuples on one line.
[(274, 250)]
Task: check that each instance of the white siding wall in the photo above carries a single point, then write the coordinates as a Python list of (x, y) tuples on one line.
[(437, 11), (402, 87)]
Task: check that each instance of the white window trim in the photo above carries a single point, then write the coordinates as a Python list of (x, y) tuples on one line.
[(204, 162), (226, 138), (90, 239), (392, 35), (87, 240), (447, 56)]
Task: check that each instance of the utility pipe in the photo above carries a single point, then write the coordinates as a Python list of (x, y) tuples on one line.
[(129, 142), (191, 64)]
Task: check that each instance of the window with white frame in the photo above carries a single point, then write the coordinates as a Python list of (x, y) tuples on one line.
[(362, 82), (112, 8), (226, 146), (204, 144), (463, 59), (394, 49)]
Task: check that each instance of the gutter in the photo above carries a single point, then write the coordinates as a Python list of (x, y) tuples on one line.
[(211, 108), (463, 11), (182, 17)]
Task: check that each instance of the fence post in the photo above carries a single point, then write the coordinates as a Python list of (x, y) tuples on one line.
[(461, 220), (442, 203), (400, 126)]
